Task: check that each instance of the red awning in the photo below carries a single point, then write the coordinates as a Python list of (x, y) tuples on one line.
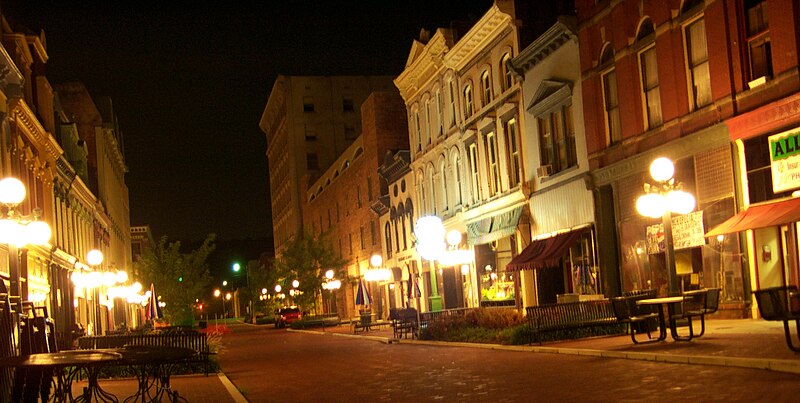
[(544, 252), (760, 216)]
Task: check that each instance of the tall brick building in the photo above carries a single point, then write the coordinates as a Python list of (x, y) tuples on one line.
[(339, 201)]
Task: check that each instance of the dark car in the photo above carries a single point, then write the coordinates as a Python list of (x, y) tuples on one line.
[(287, 315)]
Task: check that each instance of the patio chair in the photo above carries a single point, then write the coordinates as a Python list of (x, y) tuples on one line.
[(627, 312), (775, 304)]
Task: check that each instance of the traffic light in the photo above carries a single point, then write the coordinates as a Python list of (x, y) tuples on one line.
[(180, 279), (236, 267)]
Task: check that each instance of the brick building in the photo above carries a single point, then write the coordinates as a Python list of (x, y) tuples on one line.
[(339, 201), (693, 81)]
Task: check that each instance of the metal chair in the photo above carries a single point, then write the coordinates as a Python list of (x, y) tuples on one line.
[(627, 312), (774, 303)]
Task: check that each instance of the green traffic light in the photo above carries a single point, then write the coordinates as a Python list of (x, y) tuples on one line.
[(236, 267), (180, 279)]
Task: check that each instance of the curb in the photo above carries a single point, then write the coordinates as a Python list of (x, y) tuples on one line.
[(778, 365)]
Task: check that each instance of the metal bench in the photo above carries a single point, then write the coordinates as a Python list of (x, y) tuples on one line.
[(404, 322), (185, 338), (573, 315), (781, 304)]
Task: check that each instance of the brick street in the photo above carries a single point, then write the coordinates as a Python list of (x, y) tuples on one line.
[(271, 365)]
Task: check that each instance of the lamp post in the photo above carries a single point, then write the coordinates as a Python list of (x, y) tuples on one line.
[(660, 200), (236, 267), (18, 230), (331, 285)]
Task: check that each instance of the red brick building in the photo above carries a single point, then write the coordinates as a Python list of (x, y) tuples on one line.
[(339, 201), (694, 81)]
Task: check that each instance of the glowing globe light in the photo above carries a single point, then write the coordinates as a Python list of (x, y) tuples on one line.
[(278, 288), (376, 260), (12, 191), (329, 274), (9, 231), (651, 205), (680, 202), (94, 257), (38, 233), (454, 237), (662, 169)]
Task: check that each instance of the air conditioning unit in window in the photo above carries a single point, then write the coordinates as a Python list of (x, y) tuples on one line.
[(544, 171)]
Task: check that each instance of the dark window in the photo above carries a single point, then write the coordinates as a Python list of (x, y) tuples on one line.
[(347, 105), (312, 161), (311, 135), (308, 104), (759, 172), (349, 131), (557, 139)]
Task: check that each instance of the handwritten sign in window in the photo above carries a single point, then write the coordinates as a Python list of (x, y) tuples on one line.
[(687, 232)]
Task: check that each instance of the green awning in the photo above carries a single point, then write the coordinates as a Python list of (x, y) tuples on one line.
[(493, 228)]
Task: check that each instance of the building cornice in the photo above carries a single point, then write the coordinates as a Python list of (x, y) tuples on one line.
[(22, 113), (425, 65), (490, 26), (556, 36)]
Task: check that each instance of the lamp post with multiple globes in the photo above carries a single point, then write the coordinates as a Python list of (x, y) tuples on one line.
[(660, 200), (17, 231)]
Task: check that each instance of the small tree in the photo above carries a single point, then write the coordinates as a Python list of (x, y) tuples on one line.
[(179, 278), (306, 258)]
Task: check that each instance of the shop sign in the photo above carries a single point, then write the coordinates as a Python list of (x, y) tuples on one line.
[(687, 232), (784, 157)]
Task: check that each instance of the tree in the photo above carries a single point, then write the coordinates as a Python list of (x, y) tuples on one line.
[(179, 278), (306, 258)]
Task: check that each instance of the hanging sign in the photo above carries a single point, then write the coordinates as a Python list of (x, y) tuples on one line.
[(687, 232), (784, 158)]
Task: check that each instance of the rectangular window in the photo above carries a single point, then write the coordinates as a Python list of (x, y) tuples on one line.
[(373, 233), (452, 91), (369, 188), (758, 42), (611, 105), (418, 129), (494, 166), (329, 218), (474, 173), (338, 216), (513, 153), (358, 196), (308, 104), (697, 61), (650, 87), (557, 139), (349, 131), (311, 135), (347, 105), (361, 237), (312, 161)]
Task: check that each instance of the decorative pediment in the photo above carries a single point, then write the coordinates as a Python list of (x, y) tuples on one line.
[(549, 94)]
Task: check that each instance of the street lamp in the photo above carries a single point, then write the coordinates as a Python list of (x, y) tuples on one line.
[(17, 230), (660, 201)]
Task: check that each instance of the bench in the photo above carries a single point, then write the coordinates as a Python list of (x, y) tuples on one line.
[(365, 323), (637, 318), (781, 304), (573, 315), (186, 338), (318, 320), (701, 303)]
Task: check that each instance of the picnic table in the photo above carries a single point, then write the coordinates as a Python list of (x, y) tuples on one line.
[(781, 304)]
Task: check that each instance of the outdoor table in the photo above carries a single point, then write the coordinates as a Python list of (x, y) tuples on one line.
[(65, 366), (153, 366), (671, 303)]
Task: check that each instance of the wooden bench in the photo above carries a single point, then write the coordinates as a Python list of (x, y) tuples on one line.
[(781, 304), (573, 315), (186, 338)]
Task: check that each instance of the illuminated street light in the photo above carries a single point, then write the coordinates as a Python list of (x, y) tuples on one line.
[(660, 201), (278, 288)]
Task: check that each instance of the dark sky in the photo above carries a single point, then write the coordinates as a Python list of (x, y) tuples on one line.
[(189, 81)]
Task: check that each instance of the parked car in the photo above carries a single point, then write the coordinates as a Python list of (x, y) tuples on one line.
[(287, 315)]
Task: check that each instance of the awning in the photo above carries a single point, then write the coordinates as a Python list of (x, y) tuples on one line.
[(544, 252), (493, 228), (760, 216)]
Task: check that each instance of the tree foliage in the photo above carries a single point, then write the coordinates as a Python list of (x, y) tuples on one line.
[(178, 277), (306, 258)]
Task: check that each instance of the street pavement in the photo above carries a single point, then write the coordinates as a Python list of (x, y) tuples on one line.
[(736, 360)]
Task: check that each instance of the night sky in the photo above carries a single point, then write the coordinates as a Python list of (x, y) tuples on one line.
[(189, 81)]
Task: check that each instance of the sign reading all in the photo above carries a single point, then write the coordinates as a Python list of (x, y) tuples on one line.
[(784, 157)]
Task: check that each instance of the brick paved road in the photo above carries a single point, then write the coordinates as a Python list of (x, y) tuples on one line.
[(274, 365)]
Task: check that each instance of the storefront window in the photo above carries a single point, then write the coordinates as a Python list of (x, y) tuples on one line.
[(496, 284)]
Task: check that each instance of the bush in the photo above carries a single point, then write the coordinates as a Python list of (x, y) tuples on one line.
[(502, 326)]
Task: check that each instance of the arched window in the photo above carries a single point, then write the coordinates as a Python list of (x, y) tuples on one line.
[(443, 182), (421, 190), (505, 67), (648, 71), (430, 189), (610, 96), (486, 87), (456, 166), (468, 109), (401, 215), (388, 234)]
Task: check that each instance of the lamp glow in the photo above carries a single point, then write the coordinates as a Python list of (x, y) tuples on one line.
[(329, 274), (651, 205), (454, 237), (376, 260), (662, 169), (680, 202), (94, 257), (12, 191), (295, 284)]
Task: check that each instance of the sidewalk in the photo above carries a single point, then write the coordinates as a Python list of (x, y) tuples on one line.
[(214, 388), (745, 343)]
